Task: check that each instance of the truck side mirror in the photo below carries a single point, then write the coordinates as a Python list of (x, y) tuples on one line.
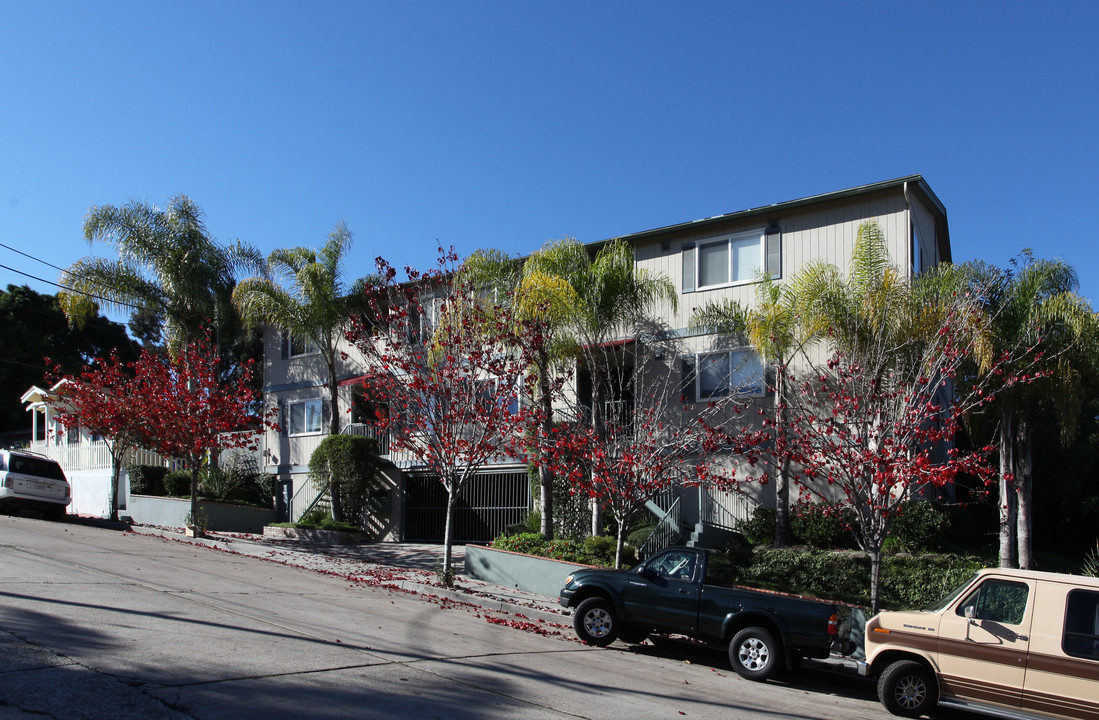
[(970, 613)]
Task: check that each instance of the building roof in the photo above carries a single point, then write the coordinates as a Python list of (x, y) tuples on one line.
[(909, 183)]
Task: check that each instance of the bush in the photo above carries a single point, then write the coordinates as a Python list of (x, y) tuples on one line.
[(920, 526), (822, 526), (177, 483), (589, 551), (906, 582), (760, 527), (147, 479), (350, 463), (640, 534)]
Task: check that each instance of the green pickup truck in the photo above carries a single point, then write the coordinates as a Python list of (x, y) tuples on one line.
[(688, 591)]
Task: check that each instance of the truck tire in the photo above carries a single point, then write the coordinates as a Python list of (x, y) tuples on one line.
[(755, 654), (595, 622), (907, 688), (632, 635)]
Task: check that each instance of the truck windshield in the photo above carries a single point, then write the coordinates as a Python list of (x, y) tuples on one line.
[(946, 601)]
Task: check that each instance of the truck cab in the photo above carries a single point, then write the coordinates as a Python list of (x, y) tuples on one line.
[(1017, 643)]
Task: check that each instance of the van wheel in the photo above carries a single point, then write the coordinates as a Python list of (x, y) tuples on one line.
[(595, 622), (755, 654), (907, 688)]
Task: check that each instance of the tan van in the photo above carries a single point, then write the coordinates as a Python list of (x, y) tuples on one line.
[(1011, 643)]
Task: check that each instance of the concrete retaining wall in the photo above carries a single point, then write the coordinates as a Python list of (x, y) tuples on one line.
[(172, 512), (526, 572)]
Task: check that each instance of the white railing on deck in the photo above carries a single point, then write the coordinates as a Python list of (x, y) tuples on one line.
[(92, 455)]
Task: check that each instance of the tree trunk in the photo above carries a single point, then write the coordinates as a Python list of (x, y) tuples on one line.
[(875, 580), (116, 472), (782, 474), (599, 426), (545, 481), (448, 532), (334, 429), (1024, 495), (545, 475), (619, 545), (194, 497), (1007, 492)]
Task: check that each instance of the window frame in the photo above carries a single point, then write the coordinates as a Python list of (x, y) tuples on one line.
[(760, 234), (309, 347), (1082, 639), (747, 353), (306, 431)]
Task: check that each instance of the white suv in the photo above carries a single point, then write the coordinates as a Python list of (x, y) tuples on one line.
[(33, 481)]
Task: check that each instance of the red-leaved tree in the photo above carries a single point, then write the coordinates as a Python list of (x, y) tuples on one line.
[(448, 365), (108, 399), (191, 412), (876, 428)]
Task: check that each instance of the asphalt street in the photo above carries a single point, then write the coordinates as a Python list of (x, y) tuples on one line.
[(97, 622)]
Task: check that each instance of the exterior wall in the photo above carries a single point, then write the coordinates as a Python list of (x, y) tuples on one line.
[(821, 229)]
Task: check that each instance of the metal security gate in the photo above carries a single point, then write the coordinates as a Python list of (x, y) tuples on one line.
[(489, 502)]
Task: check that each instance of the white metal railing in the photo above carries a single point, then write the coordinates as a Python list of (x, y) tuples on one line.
[(366, 430), (667, 530), (723, 509), (305, 499)]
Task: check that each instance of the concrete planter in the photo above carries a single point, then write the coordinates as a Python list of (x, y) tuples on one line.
[(526, 572), (322, 537), (173, 512)]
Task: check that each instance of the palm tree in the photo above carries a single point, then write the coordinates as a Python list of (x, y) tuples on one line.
[(303, 293), (594, 300), (772, 327), (1035, 305), (168, 266)]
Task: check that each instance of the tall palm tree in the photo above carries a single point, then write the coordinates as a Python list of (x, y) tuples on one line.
[(1036, 305), (168, 266), (773, 328), (600, 299), (303, 292)]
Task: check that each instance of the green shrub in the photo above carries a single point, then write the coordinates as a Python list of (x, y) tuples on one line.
[(589, 551), (177, 483), (822, 525), (221, 485), (350, 463), (759, 528), (920, 526), (640, 534), (147, 479), (906, 582)]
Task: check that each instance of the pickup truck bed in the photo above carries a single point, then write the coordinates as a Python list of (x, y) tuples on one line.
[(685, 591)]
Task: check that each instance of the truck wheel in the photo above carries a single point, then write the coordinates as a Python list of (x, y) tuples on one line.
[(595, 622), (755, 654), (632, 635), (907, 688)]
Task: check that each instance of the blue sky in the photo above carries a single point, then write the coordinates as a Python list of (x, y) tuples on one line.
[(507, 124)]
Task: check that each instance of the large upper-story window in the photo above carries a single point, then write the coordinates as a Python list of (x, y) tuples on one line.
[(304, 416), (708, 376), (732, 259), (295, 345)]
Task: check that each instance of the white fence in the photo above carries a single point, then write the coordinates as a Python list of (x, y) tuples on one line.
[(92, 455)]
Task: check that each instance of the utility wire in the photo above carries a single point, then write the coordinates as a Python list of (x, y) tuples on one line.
[(66, 287)]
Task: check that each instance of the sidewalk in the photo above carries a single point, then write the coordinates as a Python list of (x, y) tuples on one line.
[(406, 567)]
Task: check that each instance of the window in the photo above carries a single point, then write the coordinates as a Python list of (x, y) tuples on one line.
[(917, 252), (295, 345), (305, 416), (734, 259), (734, 371), (1081, 637), (998, 601)]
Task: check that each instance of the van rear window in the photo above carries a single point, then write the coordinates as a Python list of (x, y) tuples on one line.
[(1081, 637), (38, 467)]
